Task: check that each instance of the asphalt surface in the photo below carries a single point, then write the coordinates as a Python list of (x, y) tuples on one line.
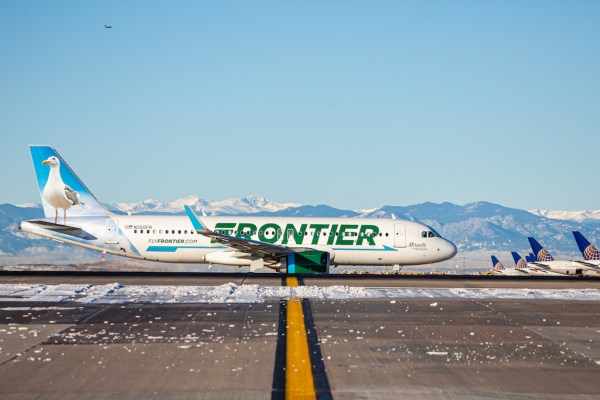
[(359, 349)]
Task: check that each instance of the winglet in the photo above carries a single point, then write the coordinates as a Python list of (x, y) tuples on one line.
[(194, 218), (530, 258)]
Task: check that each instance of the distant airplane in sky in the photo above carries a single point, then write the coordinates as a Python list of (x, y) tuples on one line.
[(108, 26), (285, 244)]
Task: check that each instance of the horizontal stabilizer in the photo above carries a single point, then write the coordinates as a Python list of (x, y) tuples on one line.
[(64, 230)]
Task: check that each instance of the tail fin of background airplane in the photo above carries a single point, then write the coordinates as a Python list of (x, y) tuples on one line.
[(587, 249), (541, 254), (60, 188), (530, 258), (496, 265), (520, 262)]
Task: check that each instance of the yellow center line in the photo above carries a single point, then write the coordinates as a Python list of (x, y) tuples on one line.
[(299, 382)]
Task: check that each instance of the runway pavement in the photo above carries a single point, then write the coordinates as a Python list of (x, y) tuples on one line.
[(417, 348)]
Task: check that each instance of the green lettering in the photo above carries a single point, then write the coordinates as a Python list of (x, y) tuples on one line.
[(345, 242), (318, 228), (367, 232), (290, 230), (245, 230), (262, 233), (332, 234), (225, 228)]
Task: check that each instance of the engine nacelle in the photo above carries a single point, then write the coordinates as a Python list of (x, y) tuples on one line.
[(308, 262)]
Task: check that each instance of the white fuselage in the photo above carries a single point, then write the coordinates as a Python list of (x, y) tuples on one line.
[(349, 241), (567, 267)]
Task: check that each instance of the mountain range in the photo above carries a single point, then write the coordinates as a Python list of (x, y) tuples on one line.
[(473, 227)]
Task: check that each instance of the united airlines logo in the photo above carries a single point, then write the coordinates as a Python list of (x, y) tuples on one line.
[(521, 263), (498, 267), (543, 255), (591, 253)]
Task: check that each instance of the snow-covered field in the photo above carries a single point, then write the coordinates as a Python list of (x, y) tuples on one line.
[(231, 293)]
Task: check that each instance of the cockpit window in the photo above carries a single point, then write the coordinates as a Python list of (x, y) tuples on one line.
[(430, 234), (424, 234), (433, 232)]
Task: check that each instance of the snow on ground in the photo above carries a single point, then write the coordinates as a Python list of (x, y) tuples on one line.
[(116, 293)]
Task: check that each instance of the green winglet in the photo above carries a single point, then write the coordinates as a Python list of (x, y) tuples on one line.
[(195, 221)]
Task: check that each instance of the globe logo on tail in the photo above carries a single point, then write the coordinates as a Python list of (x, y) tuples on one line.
[(543, 255), (591, 253), (522, 263)]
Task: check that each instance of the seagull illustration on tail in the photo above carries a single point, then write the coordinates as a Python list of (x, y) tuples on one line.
[(56, 192)]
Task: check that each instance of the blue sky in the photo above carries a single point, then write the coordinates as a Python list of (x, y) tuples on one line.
[(352, 104)]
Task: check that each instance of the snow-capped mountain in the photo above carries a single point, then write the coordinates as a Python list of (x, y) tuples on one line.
[(479, 226), (247, 205), (585, 215)]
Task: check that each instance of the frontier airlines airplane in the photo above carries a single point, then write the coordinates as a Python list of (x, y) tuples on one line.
[(286, 244)]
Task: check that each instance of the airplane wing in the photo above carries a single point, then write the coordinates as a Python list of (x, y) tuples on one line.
[(266, 251), (588, 265), (253, 247), (538, 265)]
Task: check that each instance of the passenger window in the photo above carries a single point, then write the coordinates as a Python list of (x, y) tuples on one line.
[(135, 231), (185, 231), (173, 231), (148, 231)]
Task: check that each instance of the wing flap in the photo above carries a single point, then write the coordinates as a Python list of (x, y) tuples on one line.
[(257, 249)]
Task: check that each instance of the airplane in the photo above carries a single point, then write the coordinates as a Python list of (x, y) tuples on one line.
[(524, 268), (286, 244), (544, 260), (108, 26), (499, 269)]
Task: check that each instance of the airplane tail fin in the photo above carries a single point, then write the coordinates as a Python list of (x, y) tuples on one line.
[(587, 249), (541, 254), (520, 262), (530, 258), (496, 265), (62, 192)]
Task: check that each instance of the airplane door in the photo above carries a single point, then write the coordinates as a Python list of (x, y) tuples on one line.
[(399, 235), (112, 231)]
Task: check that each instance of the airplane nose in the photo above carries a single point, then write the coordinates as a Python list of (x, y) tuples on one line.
[(449, 250), (453, 251)]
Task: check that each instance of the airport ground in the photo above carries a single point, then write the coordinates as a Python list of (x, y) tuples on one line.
[(417, 348)]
